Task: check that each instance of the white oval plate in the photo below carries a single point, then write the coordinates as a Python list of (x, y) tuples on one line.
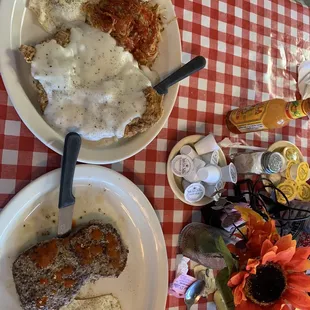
[(102, 194), (18, 25)]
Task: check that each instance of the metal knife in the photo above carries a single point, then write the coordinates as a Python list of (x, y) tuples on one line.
[(66, 199), (188, 69)]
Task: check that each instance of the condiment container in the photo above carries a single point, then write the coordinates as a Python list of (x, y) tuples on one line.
[(291, 153), (182, 165), (289, 189), (185, 184), (211, 158), (194, 192), (259, 162), (192, 177), (188, 151), (303, 192), (210, 174), (229, 173), (206, 145), (209, 189), (287, 173), (302, 172)]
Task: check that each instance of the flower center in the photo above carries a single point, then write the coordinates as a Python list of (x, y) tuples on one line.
[(267, 285)]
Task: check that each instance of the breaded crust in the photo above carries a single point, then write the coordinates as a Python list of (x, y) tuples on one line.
[(50, 274), (154, 106)]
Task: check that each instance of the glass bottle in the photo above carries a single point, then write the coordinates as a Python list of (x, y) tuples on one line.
[(259, 162), (271, 114)]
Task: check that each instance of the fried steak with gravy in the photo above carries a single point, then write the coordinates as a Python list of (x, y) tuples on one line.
[(154, 101)]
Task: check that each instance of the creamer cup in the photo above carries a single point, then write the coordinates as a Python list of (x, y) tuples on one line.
[(210, 174), (185, 184), (209, 189), (192, 177), (198, 163), (206, 145), (211, 158), (194, 192), (188, 151), (229, 173), (182, 165)]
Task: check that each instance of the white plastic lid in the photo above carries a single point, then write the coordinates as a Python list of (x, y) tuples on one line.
[(182, 165), (194, 192), (189, 151)]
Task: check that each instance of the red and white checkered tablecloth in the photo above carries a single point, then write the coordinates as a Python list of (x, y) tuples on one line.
[(252, 47)]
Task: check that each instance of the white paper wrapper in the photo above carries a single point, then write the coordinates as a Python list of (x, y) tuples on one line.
[(304, 79), (206, 274)]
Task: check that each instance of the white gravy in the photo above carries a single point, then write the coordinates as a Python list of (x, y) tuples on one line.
[(94, 87)]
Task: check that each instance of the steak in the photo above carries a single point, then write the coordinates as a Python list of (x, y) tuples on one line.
[(50, 274), (154, 102)]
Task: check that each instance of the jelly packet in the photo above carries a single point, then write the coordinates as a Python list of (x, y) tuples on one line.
[(182, 280)]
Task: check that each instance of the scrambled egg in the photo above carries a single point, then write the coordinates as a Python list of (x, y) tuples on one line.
[(106, 302)]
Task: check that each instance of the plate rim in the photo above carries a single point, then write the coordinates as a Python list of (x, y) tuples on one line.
[(152, 219), (37, 125)]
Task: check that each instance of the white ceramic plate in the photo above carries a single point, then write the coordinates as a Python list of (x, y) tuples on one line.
[(176, 182), (102, 194), (18, 25)]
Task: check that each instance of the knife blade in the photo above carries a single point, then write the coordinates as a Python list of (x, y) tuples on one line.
[(66, 199)]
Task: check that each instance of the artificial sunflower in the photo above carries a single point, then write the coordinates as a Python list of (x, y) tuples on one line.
[(256, 231), (275, 280)]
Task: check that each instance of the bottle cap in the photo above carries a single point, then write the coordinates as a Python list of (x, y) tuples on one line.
[(194, 192), (289, 189), (275, 162), (303, 192), (182, 165), (302, 172)]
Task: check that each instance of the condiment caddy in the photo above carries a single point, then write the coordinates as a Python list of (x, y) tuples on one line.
[(197, 170), (283, 165)]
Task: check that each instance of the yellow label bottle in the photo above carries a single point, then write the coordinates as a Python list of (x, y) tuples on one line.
[(271, 114)]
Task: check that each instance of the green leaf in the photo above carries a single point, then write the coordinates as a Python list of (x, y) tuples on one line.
[(231, 263), (206, 243), (221, 281), (306, 2)]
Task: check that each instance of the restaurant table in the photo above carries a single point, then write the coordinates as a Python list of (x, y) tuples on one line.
[(252, 49)]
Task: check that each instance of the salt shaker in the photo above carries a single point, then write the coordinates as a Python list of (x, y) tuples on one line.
[(259, 162)]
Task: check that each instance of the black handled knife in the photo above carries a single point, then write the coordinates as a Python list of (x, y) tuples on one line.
[(66, 199)]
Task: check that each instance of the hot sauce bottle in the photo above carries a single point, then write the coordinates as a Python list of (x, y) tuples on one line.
[(271, 114)]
